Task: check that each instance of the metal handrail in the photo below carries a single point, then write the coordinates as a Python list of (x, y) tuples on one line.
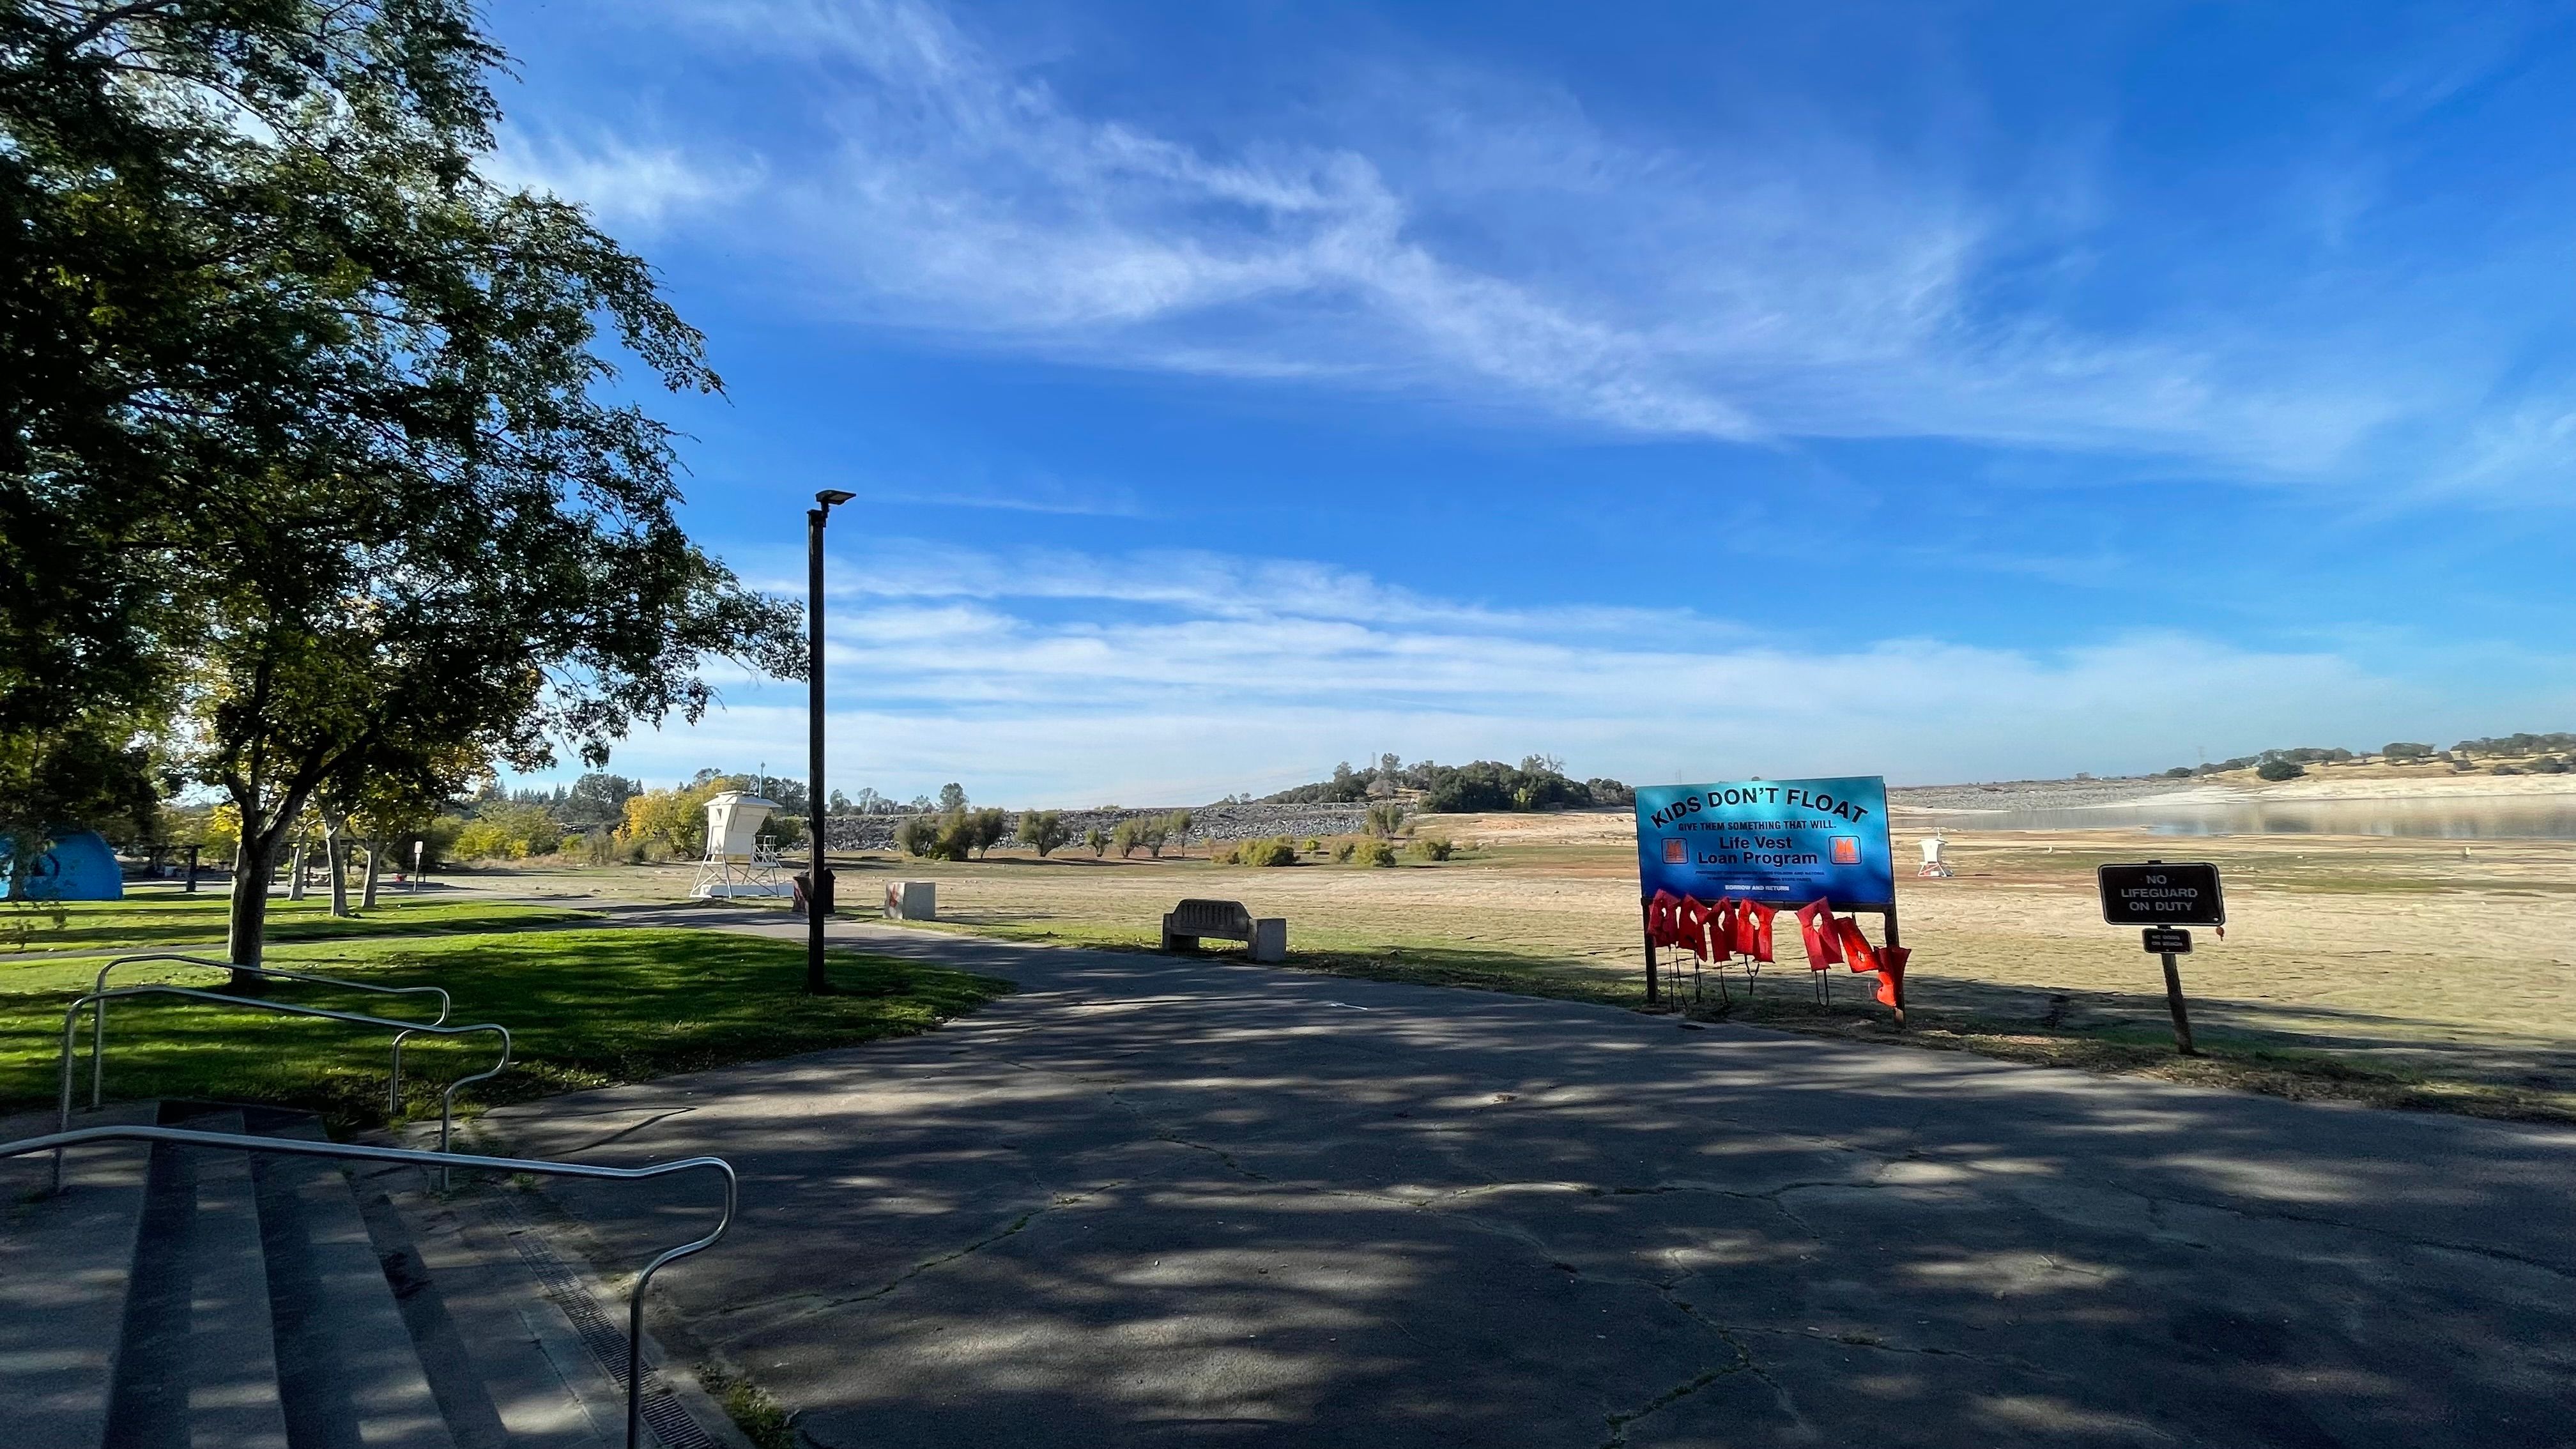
[(98, 1020), (403, 1030), (301, 1147)]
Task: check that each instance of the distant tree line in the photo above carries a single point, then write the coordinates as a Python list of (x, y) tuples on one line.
[(2289, 764), (1538, 782), (2517, 744)]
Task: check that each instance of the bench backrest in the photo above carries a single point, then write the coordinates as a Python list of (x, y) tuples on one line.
[(1212, 918)]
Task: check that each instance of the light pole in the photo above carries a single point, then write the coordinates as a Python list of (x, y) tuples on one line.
[(818, 888)]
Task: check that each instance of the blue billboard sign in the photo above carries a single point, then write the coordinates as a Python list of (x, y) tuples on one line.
[(1782, 842)]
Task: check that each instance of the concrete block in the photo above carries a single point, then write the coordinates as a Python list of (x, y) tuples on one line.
[(1270, 939), (911, 900)]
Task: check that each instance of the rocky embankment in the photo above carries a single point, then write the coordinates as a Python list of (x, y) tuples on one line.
[(1208, 823)]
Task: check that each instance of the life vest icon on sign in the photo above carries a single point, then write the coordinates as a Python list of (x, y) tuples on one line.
[(1676, 852), (1846, 850)]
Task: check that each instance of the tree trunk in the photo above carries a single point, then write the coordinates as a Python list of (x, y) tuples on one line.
[(335, 850), (249, 916), (375, 854), (295, 874)]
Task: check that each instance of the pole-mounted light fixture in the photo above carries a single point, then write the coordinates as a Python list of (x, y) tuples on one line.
[(818, 887)]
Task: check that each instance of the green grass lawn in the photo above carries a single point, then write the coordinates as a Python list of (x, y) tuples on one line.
[(587, 1009), (153, 923)]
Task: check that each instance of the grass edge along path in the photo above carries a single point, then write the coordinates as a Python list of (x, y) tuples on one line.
[(2276, 1069), (587, 1008)]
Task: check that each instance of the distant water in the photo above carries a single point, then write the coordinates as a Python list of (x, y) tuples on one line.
[(2432, 819)]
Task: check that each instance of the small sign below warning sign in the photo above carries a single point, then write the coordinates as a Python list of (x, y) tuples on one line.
[(2166, 941)]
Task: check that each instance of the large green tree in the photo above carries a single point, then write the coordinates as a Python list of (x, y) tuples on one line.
[(326, 421)]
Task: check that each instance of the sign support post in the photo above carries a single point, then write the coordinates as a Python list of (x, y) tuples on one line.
[(2173, 998), (1652, 996)]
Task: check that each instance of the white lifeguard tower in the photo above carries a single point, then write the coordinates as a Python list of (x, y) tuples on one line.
[(737, 864), (1933, 865)]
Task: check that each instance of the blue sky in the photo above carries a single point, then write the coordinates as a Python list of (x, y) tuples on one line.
[(1941, 391)]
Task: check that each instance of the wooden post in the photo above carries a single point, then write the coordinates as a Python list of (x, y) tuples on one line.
[(2173, 999), (192, 869)]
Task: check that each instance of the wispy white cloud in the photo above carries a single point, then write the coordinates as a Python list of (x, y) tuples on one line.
[(1482, 239), (1183, 679), (1201, 583), (624, 184)]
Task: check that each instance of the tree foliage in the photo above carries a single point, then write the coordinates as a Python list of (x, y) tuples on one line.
[(299, 398), (1538, 782), (1044, 831)]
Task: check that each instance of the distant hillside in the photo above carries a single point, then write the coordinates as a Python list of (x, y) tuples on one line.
[(1536, 783)]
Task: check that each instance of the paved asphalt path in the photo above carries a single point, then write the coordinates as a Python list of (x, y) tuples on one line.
[(1158, 1201)]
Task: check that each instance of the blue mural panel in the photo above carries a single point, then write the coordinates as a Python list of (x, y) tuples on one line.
[(1782, 842)]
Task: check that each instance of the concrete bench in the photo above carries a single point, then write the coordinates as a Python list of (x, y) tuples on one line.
[(1187, 923)]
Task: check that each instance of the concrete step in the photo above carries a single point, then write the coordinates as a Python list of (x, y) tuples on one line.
[(233, 1399), (65, 1261), (211, 1298), (493, 1325), (352, 1375), (197, 1361)]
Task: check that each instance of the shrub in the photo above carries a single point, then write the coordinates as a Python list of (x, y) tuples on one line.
[(1276, 850), (1128, 835), (2506, 770), (1314, 846), (965, 834), (2179, 772), (918, 835), (1432, 847), (2403, 750), (1098, 840), (2280, 770), (992, 827), (509, 832), (677, 819), (1373, 851), (1157, 831), (1384, 817), (1043, 831), (437, 838), (2549, 765)]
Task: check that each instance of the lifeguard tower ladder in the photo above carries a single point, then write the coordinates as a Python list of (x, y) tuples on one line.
[(737, 864)]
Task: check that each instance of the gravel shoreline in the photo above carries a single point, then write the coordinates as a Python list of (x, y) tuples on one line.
[(2049, 794)]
